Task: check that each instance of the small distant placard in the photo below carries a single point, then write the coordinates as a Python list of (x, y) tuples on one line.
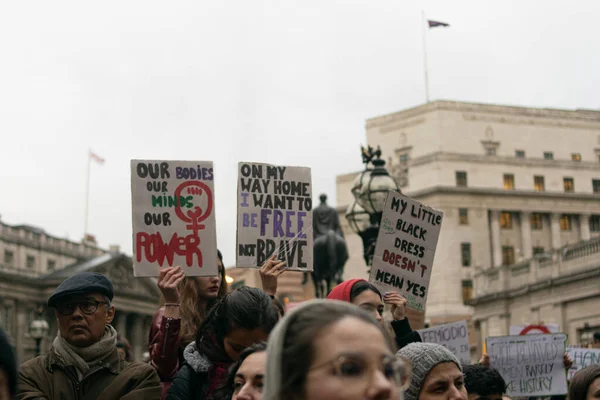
[(274, 216), (582, 357), (173, 217), (453, 336), (405, 249), (531, 365)]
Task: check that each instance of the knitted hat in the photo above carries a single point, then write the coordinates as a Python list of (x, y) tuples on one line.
[(342, 291), (424, 357)]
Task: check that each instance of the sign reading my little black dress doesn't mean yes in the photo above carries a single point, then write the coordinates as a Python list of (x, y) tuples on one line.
[(405, 249)]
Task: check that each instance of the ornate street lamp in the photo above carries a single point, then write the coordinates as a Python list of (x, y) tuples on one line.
[(370, 189), (38, 329)]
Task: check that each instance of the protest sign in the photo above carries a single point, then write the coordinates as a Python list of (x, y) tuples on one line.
[(531, 365), (173, 217), (274, 216), (454, 337), (533, 329), (582, 357), (405, 249)]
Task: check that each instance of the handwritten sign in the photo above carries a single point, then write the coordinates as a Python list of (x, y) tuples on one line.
[(274, 215), (454, 337), (531, 365), (582, 357), (173, 217), (405, 248)]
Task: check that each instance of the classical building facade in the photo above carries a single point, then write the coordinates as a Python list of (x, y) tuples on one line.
[(32, 265), (513, 182)]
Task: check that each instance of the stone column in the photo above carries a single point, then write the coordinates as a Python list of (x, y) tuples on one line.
[(137, 336), (555, 226), (496, 246), (584, 226), (526, 249), (121, 324)]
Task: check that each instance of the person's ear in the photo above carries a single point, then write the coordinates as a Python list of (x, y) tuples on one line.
[(110, 314)]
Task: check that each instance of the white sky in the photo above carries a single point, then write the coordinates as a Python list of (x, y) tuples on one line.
[(250, 80)]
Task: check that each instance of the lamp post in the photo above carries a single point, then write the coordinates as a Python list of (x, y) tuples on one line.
[(38, 329), (370, 189)]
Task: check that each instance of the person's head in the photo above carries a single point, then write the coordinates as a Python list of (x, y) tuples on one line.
[(483, 383), (597, 337), (246, 375), (360, 293), (585, 384), (436, 373), (198, 295), (240, 319), (8, 369), (332, 350), (124, 349), (83, 308)]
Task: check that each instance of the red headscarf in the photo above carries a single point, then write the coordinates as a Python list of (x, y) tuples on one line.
[(342, 291)]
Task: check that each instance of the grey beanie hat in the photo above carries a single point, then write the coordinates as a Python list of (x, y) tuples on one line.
[(424, 357)]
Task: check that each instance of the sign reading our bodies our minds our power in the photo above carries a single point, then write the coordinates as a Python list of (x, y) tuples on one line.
[(173, 217), (405, 248), (274, 215)]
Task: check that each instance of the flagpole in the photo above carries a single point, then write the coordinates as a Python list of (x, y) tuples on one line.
[(87, 193), (423, 24)]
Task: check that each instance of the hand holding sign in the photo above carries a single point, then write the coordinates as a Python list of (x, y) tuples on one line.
[(269, 273), (397, 303)]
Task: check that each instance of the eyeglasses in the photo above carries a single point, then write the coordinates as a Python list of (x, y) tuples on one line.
[(88, 307), (356, 367)]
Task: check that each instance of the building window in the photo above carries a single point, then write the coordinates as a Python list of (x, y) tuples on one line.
[(51, 265), (538, 183), (506, 220), (595, 223), (535, 220), (569, 185), (490, 151), (508, 255), (465, 253), (9, 257), (30, 262), (467, 290), (461, 178), (538, 250), (463, 216), (596, 185), (509, 182), (404, 158), (576, 156), (565, 223), (520, 153), (548, 155)]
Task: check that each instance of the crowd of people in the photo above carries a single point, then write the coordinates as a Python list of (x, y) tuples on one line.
[(207, 342)]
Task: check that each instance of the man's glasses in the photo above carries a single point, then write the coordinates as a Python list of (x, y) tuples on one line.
[(88, 307), (355, 367)]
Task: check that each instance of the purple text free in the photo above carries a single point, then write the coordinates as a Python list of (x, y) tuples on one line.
[(282, 223)]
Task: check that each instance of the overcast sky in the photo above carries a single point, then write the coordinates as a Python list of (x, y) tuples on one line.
[(286, 82)]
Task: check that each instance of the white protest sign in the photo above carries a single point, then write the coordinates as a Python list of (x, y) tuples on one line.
[(582, 357), (173, 217), (533, 329), (274, 215), (454, 337), (405, 248), (531, 365)]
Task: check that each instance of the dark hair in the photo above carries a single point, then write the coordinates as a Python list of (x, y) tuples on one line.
[(581, 382), (220, 257), (225, 392), (597, 336), (8, 363), (123, 343), (483, 380), (279, 306), (362, 286), (303, 329), (246, 307)]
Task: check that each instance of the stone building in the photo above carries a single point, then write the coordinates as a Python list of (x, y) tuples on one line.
[(513, 182), (32, 265)]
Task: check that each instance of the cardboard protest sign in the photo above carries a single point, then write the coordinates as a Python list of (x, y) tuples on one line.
[(454, 337), (533, 329), (531, 365), (582, 357), (274, 216), (405, 248), (173, 217)]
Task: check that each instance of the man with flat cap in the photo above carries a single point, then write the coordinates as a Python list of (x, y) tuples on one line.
[(84, 361)]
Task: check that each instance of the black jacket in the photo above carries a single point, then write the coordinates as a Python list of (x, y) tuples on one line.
[(404, 333), (191, 382)]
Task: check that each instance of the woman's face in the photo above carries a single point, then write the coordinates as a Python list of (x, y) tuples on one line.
[(594, 390), (248, 381), (240, 339), (370, 302), (444, 382), (208, 286), (351, 360)]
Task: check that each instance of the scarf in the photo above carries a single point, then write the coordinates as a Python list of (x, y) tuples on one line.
[(213, 350), (84, 358)]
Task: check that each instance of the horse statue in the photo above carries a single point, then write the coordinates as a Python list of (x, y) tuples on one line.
[(330, 252)]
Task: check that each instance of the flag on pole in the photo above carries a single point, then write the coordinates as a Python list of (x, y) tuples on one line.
[(435, 24), (96, 158)]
